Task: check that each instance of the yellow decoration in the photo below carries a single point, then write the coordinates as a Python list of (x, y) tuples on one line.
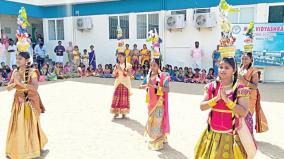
[(28, 110), (212, 103), (147, 97), (231, 104), (227, 51), (159, 91)]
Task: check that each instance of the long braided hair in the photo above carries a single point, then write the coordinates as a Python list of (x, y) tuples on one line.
[(26, 55), (157, 61), (231, 61)]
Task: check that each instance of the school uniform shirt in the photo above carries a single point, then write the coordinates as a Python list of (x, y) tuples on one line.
[(41, 52)]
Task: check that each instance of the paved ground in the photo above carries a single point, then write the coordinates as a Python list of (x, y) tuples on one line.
[(79, 125)]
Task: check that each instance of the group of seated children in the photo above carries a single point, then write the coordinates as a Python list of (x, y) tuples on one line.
[(188, 75)]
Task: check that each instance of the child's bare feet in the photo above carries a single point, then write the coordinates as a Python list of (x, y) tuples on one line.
[(115, 116)]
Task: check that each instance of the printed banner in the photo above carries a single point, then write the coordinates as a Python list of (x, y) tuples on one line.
[(268, 43)]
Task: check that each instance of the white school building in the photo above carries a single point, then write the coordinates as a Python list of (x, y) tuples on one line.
[(180, 23)]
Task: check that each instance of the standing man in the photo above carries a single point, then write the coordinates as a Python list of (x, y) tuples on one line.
[(59, 50), (2, 52), (12, 48), (69, 51), (40, 53), (197, 55)]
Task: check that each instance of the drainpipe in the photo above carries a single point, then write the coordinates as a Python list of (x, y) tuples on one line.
[(163, 28)]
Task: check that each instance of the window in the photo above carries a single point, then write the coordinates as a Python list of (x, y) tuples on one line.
[(145, 23), (142, 26), (55, 29), (123, 22), (153, 22), (245, 15), (60, 29), (180, 12), (276, 14)]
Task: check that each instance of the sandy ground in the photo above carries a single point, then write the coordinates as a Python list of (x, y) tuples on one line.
[(79, 125)]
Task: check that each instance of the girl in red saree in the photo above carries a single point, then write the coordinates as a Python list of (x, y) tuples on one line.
[(157, 127), (227, 100), (249, 77), (122, 73), (25, 138)]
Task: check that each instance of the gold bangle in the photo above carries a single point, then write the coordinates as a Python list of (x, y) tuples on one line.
[(212, 102), (231, 104)]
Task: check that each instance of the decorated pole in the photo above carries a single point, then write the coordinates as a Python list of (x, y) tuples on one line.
[(22, 35), (227, 48), (156, 41)]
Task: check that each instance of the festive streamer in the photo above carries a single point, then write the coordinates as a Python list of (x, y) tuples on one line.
[(23, 43), (155, 39), (227, 48), (120, 42)]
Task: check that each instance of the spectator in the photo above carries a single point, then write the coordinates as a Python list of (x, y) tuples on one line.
[(107, 72), (2, 52), (5, 39), (59, 50), (12, 51), (196, 77), (92, 58), (76, 56), (139, 75), (197, 55), (85, 58), (135, 55), (211, 75), (145, 55), (128, 54), (216, 60), (69, 51), (180, 75), (99, 71), (171, 72), (203, 77), (41, 54)]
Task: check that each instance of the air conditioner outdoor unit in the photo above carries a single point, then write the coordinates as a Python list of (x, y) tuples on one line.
[(175, 21), (204, 20), (84, 23)]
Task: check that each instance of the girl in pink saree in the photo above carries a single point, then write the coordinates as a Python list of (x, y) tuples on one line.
[(157, 127)]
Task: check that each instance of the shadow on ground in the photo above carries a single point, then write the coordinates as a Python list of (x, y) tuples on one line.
[(167, 153), (270, 150)]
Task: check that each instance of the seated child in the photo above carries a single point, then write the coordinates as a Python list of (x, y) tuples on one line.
[(196, 77), (139, 74), (210, 75), (99, 71), (81, 70), (58, 71), (189, 76), (180, 75), (107, 72), (203, 78)]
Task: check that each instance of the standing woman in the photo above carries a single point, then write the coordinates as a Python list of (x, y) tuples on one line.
[(216, 60), (122, 73), (228, 103), (158, 126), (249, 77), (25, 137), (92, 58)]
